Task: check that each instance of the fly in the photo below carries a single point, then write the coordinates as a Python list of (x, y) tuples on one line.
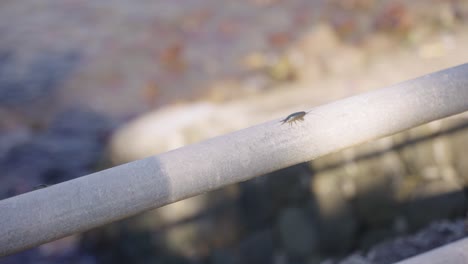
[(294, 117)]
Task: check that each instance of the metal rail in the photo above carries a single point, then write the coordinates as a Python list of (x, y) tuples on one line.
[(453, 253), (97, 199)]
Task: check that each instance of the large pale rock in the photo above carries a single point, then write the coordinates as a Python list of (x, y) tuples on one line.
[(160, 131)]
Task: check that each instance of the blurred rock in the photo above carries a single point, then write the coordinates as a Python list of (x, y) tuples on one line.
[(374, 235), (11, 139), (82, 123), (63, 247), (187, 240), (395, 17), (456, 142), (355, 59), (192, 228), (337, 223), (377, 44), (376, 185), (256, 204), (295, 180), (117, 243), (263, 197), (282, 70), (355, 5), (298, 233), (173, 213), (255, 61), (321, 40), (214, 229), (257, 248), (70, 147), (432, 50), (435, 200), (24, 83), (224, 257), (393, 185), (160, 131), (345, 24), (435, 235)]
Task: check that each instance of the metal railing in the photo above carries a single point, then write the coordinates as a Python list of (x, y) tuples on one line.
[(97, 199), (453, 253)]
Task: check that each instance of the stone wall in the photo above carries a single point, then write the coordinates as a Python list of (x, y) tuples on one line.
[(393, 185)]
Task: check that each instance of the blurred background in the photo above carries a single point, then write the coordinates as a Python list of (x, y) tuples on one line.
[(90, 84)]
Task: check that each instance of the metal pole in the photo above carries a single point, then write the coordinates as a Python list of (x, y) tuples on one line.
[(97, 199), (453, 253)]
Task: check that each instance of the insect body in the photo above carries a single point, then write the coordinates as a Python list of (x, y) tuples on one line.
[(294, 117)]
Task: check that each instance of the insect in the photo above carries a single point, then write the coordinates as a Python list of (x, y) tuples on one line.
[(294, 117)]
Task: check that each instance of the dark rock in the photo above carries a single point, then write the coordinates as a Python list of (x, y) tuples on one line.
[(71, 147), (335, 214), (290, 186), (224, 257), (258, 248), (83, 123), (435, 235), (434, 200), (22, 84), (297, 232), (255, 203), (375, 201)]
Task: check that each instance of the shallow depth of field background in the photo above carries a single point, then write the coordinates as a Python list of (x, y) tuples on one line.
[(86, 85)]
